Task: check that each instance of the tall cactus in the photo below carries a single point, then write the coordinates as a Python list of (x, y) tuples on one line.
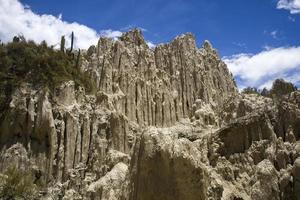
[(78, 59), (72, 41), (62, 43)]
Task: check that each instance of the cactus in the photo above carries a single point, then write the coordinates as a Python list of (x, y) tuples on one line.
[(72, 41), (78, 59), (62, 43)]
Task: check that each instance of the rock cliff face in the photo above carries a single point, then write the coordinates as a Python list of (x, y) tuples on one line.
[(159, 85), (165, 123)]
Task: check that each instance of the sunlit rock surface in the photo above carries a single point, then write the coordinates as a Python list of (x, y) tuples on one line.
[(165, 123)]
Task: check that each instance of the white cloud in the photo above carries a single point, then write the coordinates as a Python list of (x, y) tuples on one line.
[(261, 69), (16, 18), (292, 5)]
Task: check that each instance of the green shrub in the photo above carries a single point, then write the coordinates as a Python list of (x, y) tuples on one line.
[(42, 66), (17, 184), (251, 90)]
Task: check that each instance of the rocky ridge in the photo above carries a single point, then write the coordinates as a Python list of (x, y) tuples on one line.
[(165, 123)]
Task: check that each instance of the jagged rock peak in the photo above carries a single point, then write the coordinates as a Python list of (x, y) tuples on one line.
[(133, 36), (185, 41), (168, 79), (186, 37), (207, 45)]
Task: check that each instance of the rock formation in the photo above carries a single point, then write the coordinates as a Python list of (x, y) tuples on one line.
[(160, 85), (165, 123)]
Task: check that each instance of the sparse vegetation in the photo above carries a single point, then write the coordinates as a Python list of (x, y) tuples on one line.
[(38, 64), (251, 90), (17, 184), (280, 87)]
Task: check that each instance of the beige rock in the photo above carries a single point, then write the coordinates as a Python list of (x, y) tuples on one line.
[(266, 182), (160, 85), (296, 180), (109, 187), (165, 168), (165, 123)]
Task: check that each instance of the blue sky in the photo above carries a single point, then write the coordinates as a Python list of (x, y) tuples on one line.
[(232, 26), (246, 33)]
